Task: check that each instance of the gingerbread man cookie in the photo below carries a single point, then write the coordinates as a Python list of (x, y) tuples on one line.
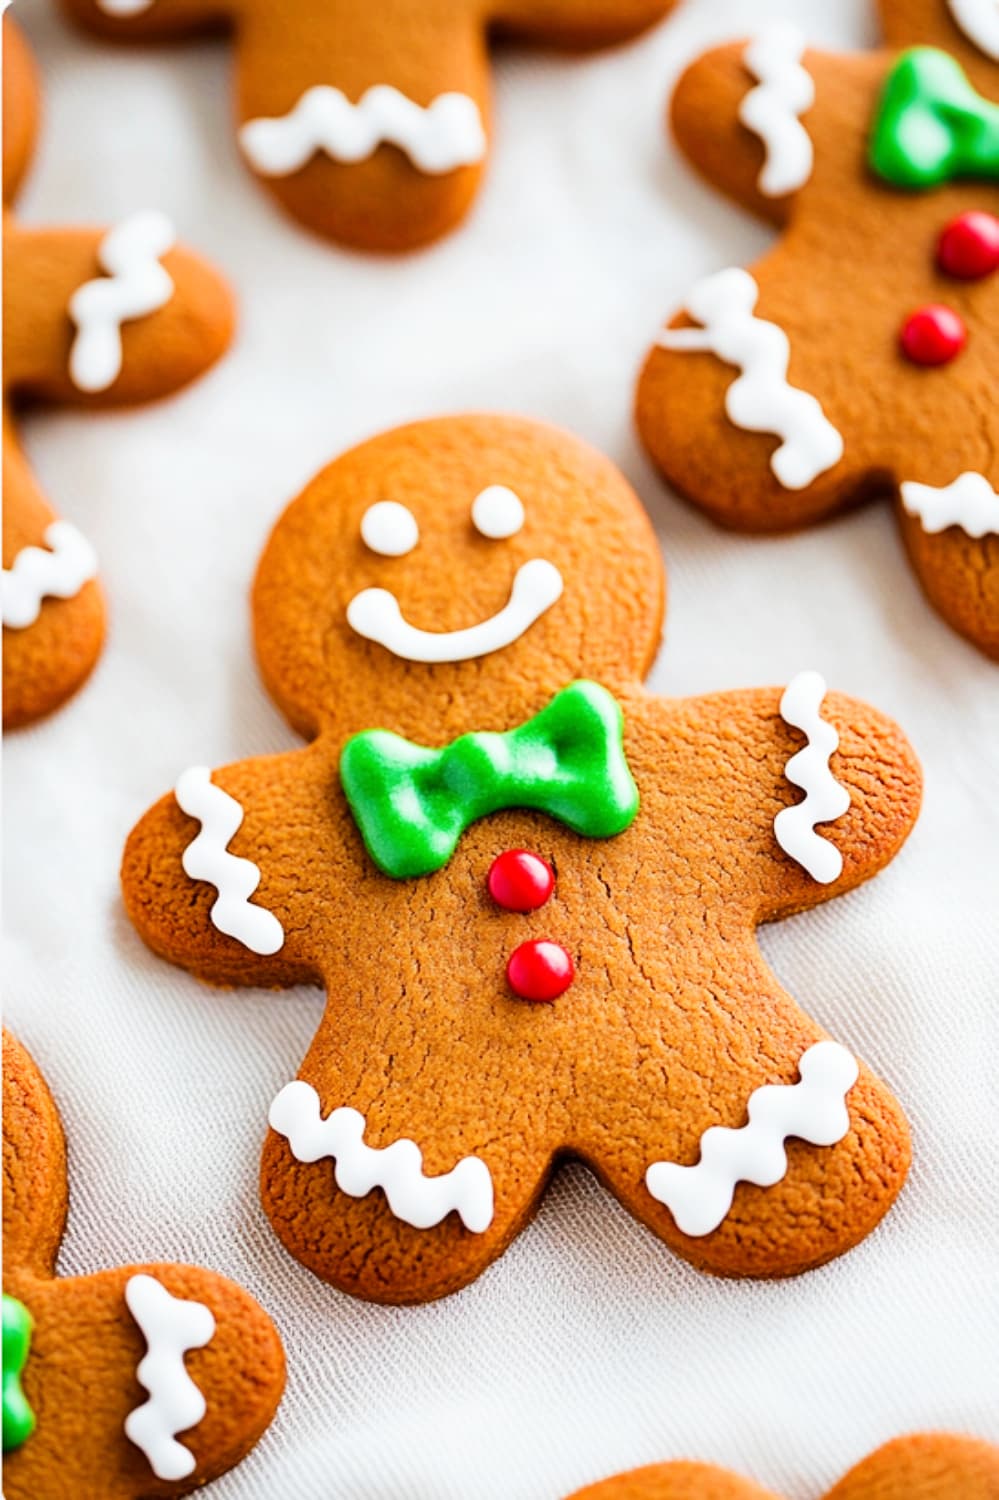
[(528, 887), (370, 123), (139, 1382), (859, 356), (926, 1466), (96, 318)]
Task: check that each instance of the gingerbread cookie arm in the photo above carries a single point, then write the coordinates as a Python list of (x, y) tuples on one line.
[(924, 1466), (959, 571), (675, 1481), (109, 317), (20, 107), (578, 23), (53, 610), (34, 1165), (149, 20)]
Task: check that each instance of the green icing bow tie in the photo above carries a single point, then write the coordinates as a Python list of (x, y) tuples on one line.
[(413, 804), (931, 126), (18, 1418)]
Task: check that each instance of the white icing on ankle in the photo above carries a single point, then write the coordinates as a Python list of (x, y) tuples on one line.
[(375, 614), (825, 797), (135, 286), (772, 109), (207, 858), (761, 399), (814, 1110), (170, 1326), (59, 573), (437, 137), (969, 502), (979, 20), (397, 1169)]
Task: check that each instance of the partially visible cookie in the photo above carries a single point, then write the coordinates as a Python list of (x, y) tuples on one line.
[(96, 318), (126, 1384)]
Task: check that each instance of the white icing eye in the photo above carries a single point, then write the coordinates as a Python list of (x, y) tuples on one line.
[(389, 528), (497, 512)]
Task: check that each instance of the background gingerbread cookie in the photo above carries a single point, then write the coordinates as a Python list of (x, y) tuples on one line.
[(537, 939), (370, 124), (859, 356), (925, 1466), (126, 1384), (93, 317)]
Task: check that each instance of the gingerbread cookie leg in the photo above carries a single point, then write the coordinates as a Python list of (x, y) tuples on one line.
[(951, 532), (925, 1466)]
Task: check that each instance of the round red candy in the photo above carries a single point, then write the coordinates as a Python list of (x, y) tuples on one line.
[(520, 881), (969, 246), (540, 970), (933, 336)]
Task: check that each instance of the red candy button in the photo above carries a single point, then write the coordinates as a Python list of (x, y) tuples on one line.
[(540, 971), (969, 246), (520, 881), (933, 335)]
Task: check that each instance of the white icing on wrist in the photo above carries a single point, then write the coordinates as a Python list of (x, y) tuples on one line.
[(170, 1326), (979, 20), (772, 109), (37, 574), (497, 513), (413, 1197), (376, 614), (825, 797), (969, 502), (124, 7), (437, 138), (814, 1110), (761, 399), (135, 286), (207, 858)]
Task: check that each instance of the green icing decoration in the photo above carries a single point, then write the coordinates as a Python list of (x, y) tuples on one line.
[(931, 125), (18, 1418), (413, 804)]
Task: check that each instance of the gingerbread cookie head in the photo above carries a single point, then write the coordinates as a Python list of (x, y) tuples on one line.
[(858, 357), (925, 1466), (94, 318), (454, 572), (124, 1384), (370, 124)]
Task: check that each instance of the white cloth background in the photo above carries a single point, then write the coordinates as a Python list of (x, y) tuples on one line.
[(588, 1348)]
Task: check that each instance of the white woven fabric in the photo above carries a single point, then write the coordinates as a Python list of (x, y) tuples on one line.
[(588, 1348)]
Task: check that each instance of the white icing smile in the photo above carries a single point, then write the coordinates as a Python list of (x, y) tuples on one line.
[(391, 530)]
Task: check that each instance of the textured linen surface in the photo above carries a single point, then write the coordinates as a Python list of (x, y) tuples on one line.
[(588, 1348)]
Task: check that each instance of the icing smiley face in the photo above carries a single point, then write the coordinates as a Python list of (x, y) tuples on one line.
[(391, 529), (416, 578)]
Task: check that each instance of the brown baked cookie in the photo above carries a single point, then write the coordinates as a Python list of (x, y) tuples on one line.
[(537, 942), (97, 318), (370, 123), (926, 1466), (127, 1384), (859, 356)]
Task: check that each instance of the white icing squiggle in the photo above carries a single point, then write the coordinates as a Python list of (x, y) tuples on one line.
[(37, 574), (397, 1169), (814, 1110), (979, 20), (761, 400), (170, 1326), (124, 7), (135, 285), (825, 797), (772, 109), (437, 137), (207, 858), (969, 502)]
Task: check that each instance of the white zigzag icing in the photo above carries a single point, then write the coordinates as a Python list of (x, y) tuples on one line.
[(772, 109), (37, 574), (136, 285), (979, 20), (814, 1110), (397, 1169), (969, 502), (170, 1326), (825, 797), (437, 137), (761, 400), (207, 857)]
